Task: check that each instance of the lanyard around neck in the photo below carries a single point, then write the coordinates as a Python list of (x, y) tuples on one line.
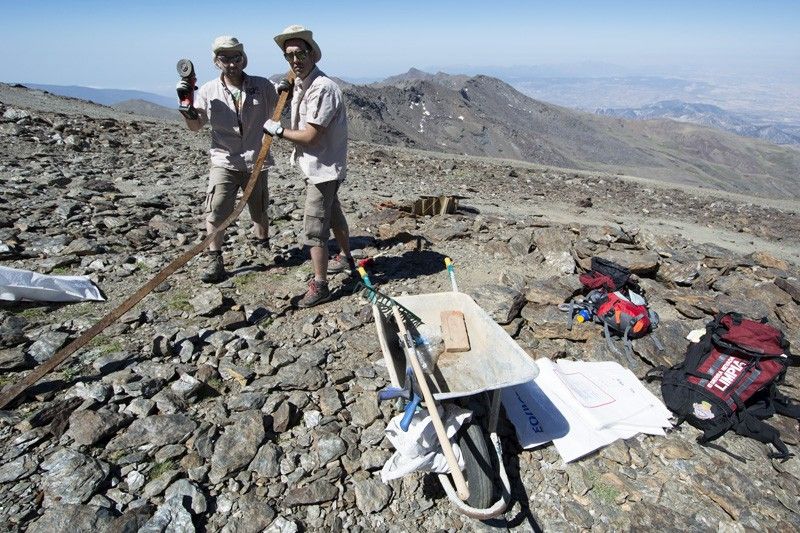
[(235, 100)]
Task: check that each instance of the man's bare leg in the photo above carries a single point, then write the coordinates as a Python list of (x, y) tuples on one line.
[(342, 236), (216, 243), (261, 231), (319, 259)]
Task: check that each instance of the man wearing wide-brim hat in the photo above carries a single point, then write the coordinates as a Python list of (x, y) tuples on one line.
[(318, 130), (236, 106)]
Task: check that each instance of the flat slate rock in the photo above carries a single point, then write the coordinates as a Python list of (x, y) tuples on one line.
[(156, 430)]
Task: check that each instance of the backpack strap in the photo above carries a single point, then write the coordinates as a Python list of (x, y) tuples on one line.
[(656, 342), (610, 343), (628, 343), (569, 307), (654, 373), (750, 426), (786, 406), (714, 432)]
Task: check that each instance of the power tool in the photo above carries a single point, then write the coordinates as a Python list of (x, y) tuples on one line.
[(186, 96)]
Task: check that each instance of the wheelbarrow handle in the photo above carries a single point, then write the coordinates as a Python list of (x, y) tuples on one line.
[(441, 433), (451, 272)]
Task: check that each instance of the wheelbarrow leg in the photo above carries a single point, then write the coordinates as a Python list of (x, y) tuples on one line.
[(441, 433)]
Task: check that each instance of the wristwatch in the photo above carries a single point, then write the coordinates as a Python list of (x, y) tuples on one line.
[(279, 131)]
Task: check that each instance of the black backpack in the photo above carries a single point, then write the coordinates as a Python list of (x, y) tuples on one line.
[(728, 380)]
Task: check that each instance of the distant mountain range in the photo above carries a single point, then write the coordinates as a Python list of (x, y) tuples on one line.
[(137, 102), (708, 115), (104, 96), (485, 116)]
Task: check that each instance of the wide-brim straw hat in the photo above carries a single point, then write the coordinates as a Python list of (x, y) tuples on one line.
[(226, 43), (299, 32)]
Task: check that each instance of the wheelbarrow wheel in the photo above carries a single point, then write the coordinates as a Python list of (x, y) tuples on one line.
[(479, 466)]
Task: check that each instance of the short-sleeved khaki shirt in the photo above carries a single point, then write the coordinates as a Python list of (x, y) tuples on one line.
[(318, 100), (237, 129)]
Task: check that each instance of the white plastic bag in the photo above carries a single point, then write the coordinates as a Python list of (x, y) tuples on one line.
[(16, 284), (418, 448)]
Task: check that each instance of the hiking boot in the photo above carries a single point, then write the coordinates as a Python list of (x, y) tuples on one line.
[(340, 263), (318, 292), (215, 271)]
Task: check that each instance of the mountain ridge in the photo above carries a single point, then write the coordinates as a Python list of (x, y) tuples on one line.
[(485, 116), (708, 115)]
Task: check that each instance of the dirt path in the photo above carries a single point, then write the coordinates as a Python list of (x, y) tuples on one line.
[(787, 249)]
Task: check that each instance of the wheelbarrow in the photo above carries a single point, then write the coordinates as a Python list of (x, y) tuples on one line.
[(471, 378)]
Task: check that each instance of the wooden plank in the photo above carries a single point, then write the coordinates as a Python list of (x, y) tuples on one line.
[(454, 331), (448, 205)]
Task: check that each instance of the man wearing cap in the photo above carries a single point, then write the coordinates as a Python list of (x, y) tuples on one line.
[(319, 133), (236, 106)]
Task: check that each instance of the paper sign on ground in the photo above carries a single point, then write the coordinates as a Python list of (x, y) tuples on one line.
[(582, 406)]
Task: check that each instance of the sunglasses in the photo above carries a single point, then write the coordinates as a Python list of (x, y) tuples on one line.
[(230, 59), (300, 55)]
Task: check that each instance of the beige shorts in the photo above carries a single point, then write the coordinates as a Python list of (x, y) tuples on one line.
[(223, 188), (322, 213)]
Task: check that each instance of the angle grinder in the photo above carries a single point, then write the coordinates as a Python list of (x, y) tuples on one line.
[(185, 70)]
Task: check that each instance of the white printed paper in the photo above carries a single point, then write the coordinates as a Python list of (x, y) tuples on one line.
[(582, 406)]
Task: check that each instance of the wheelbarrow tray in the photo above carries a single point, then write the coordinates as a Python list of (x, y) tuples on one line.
[(493, 361)]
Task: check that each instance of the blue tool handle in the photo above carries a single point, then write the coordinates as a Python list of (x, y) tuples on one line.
[(411, 408), (393, 392)]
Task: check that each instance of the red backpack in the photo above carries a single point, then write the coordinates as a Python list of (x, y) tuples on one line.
[(728, 380), (613, 303)]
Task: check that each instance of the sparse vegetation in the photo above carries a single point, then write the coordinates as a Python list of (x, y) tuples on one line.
[(143, 267), (246, 280), (215, 383), (603, 491), (179, 301), (105, 345), (70, 372), (160, 468), (31, 313)]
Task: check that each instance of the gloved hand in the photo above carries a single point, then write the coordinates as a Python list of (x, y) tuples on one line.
[(273, 128), (184, 89), (284, 85)]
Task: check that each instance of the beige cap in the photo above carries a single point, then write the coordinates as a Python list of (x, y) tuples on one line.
[(227, 43), (299, 32)]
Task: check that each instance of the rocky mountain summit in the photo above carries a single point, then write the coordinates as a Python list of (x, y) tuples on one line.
[(225, 408)]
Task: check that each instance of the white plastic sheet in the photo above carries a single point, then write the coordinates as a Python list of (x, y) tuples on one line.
[(418, 448), (25, 285), (582, 406)]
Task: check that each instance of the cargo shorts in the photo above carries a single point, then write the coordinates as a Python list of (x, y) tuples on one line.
[(322, 213), (223, 187)]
